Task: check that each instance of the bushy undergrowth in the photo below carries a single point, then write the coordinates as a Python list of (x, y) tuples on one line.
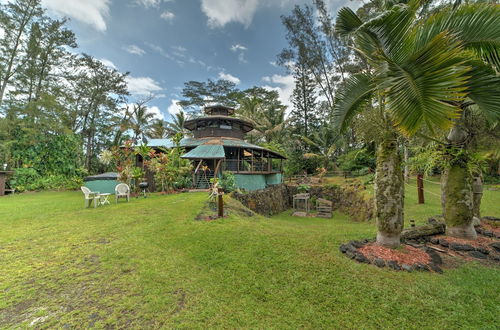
[(28, 179)]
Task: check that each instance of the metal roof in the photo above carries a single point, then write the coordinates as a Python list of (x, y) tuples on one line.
[(223, 141), (206, 151)]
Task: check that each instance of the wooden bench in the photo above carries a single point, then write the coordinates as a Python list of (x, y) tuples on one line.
[(324, 208)]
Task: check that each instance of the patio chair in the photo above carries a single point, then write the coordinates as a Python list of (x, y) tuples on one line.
[(90, 196), (122, 190)]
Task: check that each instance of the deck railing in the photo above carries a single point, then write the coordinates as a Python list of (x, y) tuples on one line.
[(235, 165)]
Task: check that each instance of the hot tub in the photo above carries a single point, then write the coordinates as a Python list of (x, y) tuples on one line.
[(103, 183)]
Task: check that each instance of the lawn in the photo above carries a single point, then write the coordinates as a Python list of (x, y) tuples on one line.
[(147, 263)]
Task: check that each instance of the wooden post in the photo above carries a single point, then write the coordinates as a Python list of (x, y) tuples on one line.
[(420, 188), (220, 208), (3, 179), (238, 163)]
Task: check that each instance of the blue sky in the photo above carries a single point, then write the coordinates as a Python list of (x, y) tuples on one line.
[(164, 43)]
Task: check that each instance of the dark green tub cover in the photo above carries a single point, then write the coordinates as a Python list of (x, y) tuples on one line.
[(206, 151)]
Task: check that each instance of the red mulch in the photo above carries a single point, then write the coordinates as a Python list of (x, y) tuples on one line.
[(404, 255), (491, 228), (480, 241)]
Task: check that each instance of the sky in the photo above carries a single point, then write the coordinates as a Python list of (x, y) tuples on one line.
[(165, 43)]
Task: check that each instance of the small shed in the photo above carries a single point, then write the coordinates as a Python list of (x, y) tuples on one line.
[(103, 183)]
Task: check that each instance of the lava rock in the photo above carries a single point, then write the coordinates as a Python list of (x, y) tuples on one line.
[(361, 258), (343, 248), (350, 254), (479, 230), (435, 257), (496, 246), (434, 240), (482, 250), (443, 242), (488, 233), (495, 258), (436, 268), (491, 218), (356, 244), (408, 268), (394, 265), (379, 262), (421, 267), (461, 247), (478, 255)]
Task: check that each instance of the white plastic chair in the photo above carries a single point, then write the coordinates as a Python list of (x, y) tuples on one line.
[(122, 190), (90, 196)]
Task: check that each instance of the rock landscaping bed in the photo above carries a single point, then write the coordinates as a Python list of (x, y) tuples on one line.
[(429, 252)]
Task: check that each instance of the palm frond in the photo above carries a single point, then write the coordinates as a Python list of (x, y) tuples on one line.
[(484, 90), (427, 87), (476, 25), (351, 99), (347, 21)]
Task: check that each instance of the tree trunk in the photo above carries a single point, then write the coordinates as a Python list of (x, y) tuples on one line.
[(477, 191), (389, 194), (407, 168), (457, 189)]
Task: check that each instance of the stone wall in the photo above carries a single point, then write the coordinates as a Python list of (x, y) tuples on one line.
[(350, 200)]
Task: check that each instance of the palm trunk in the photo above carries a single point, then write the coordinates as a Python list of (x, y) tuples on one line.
[(477, 190), (457, 190), (389, 193)]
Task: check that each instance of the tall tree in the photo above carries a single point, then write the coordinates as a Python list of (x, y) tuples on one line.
[(15, 20), (198, 94), (304, 116)]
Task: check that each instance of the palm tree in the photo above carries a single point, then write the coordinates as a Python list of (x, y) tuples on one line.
[(177, 125), (158, 129), (140, 121), (324, 143), (421, 71)]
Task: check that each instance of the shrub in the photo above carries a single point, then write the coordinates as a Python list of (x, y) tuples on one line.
[(303, 188), (356, 160), (28, 179), (228, 182)]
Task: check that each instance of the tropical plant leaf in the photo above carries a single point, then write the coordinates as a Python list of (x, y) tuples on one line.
[(484, 90), (351, 98), (428, 87), (476, 25), (347, 21)]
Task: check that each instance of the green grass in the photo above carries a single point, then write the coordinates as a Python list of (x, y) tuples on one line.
[(149, 264)]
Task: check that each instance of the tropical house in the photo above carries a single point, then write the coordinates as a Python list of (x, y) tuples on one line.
[(217, 145)]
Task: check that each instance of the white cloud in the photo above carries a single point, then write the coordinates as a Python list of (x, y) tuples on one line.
[(238, 47), (229, 77), (142, 85), (221, 12), (151, 109), (108, 63), (174, 108), (179, 48), (148, 3), (167, 16), (133, 49), (157, 112), (92, 12), (284, 85)]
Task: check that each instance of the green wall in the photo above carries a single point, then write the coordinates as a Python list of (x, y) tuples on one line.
[(274, 178), (256, 181), (102, 186)]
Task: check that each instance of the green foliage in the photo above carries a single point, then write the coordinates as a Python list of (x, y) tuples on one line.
[(298, 163), (227, 182), (28, 179), (51, 154), (357, 160), (303, 188)]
